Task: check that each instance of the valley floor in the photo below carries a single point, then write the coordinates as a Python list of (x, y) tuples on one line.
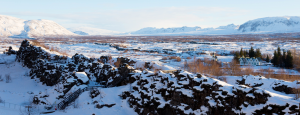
[(19, 91)]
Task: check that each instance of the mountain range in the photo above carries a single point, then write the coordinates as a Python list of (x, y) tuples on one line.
[(258, 26), (92, 31), (14, 27)]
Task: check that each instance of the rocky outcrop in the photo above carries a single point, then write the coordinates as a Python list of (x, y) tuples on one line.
[(185, 93)]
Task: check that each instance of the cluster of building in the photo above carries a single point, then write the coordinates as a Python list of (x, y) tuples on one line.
[(250, 61)]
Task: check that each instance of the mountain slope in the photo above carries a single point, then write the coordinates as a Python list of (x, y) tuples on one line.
[(153, 30), (257, 26), (229, 29), (272, 24), (92, 31), (10, 26), (80, 33)]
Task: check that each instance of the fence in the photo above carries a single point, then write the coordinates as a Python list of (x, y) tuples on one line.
[(68, 99), (19, 108)]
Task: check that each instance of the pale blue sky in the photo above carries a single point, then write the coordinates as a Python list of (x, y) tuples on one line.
[(131, 15)]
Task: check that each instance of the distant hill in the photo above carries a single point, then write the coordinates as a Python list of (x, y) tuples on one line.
[(92, 31), (272, 24), (14, 27), (153, 30), (11, 26), (257, 26), (80, 33)]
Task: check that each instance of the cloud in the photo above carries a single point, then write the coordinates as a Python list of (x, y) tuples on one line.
[(134, 19)]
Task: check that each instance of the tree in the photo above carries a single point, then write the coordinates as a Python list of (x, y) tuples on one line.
[(267, 59), (236, 56), (241, 52), (8, 78), (234, 68), (275, 59), (279, 51), (251, 52), (289, 59), (257, 53), (283, 60)]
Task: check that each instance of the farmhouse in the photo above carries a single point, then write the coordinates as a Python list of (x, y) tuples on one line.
[(187, 49), (250, 61), (214, 57)]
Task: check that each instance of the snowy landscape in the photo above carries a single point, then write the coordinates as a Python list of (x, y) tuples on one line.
[(48, 69)]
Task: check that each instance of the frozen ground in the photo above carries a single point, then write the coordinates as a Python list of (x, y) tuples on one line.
[(21, 88), (222, 48)]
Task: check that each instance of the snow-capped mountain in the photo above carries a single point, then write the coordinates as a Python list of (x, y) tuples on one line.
[(257, 26), (11, 26), (80, 33), (92, 31), (272, 24), (153, 30), (229, 29), (14, 27)]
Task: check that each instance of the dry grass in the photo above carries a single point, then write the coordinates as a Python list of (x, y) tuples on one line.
[(156, 69), (296, 92), (178, 59), (213, 68), (204, 66), (121, 39), (248, 70), (140, 67), (296, 59), (118, 63), (165, 58), (41, 43)]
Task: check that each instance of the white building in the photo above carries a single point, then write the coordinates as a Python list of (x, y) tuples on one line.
[(250, 61), (187, 49)]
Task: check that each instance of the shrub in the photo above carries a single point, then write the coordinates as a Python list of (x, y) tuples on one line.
[(248, 70), (35, 100), (296, 92), (94, 93), (1, 101), (164, 58), (8, 78), (1, 78), (118, 63), (204, 66), (178, 59)]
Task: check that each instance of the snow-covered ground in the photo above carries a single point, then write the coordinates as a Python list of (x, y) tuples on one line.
[(21, 88), (94, 50)]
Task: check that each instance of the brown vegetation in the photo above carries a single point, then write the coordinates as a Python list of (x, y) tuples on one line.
[(178, 59), (296, 92), (204, 66), (213, 68), (118, 63), (122, 39), (42, 44), (296, 59)]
